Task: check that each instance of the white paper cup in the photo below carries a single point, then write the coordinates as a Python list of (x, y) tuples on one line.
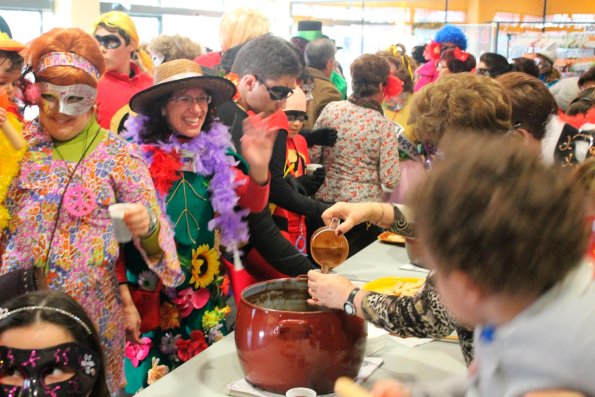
[(121, 231), (310, 168), (300, 392)]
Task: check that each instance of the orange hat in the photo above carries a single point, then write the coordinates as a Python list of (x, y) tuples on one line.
[(8, 44)]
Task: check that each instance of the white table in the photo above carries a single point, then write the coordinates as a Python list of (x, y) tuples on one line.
[(209, 373), (375, 261)]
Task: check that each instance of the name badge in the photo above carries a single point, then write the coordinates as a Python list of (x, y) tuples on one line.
[(187, 158)]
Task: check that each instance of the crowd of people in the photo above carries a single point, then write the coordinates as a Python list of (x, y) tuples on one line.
[(227, 162)]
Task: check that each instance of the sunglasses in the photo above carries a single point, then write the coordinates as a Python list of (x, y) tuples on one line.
[(296, 115), (278, 92), (109, 41)]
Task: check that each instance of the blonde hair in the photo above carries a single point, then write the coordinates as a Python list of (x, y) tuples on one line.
[(241, 25)]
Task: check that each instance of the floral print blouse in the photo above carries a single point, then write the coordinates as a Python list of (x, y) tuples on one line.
[(365, 157)]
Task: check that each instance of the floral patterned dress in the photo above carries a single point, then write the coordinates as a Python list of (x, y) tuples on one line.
[(80, 258), (365, 157), (192, 316)]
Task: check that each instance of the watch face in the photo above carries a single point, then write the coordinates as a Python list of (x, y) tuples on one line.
[(349, 308)]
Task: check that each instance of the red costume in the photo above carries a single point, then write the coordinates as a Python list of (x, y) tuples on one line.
[(114, 91), (291, 224)]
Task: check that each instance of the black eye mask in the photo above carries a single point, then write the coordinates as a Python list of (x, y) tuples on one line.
[(35, 365), (109, 41)]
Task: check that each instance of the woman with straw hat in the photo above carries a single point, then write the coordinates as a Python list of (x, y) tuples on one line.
[(200, 181)]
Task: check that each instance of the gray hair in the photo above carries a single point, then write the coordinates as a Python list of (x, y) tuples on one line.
[(318, 53)]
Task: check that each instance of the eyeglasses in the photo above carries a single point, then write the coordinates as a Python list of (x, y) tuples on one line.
[(188, 100), (278, 92), (109, 41), (296, 115), (483, 72)]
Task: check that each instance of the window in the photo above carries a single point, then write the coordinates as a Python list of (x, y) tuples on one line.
[(27, 19)]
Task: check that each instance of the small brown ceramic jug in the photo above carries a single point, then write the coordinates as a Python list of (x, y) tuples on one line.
[(328, 249)]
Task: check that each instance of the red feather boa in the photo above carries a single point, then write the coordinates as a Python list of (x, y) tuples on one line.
[(164, 169)]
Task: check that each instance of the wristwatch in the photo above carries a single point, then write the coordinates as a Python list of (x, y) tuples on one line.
[(348, 306)]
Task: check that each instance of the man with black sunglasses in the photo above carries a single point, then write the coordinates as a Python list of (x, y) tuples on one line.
[(118, 40), (266, 69)]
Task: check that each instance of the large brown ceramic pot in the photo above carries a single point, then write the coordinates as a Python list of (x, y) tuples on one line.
[(283, 342)]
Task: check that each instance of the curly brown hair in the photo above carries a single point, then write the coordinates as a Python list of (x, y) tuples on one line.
[(72, 40), (462, 101), (175, 47), (510, 222)]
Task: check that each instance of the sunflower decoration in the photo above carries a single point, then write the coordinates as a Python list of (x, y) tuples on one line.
[(205, 266)]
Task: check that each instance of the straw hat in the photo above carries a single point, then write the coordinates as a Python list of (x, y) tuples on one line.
[(182, 74)]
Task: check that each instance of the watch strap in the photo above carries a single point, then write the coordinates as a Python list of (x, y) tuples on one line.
[(349, 306), (352, 294)]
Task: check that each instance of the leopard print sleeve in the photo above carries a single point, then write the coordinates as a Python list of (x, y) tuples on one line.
[(401, 224), (422, 315)]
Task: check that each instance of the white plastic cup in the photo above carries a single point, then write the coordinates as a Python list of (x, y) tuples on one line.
[(300, 392), (310, 168), (121, 231)]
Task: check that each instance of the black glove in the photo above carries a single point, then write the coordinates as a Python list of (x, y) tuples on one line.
[(323, 136), (312, 182), (295, 185)]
